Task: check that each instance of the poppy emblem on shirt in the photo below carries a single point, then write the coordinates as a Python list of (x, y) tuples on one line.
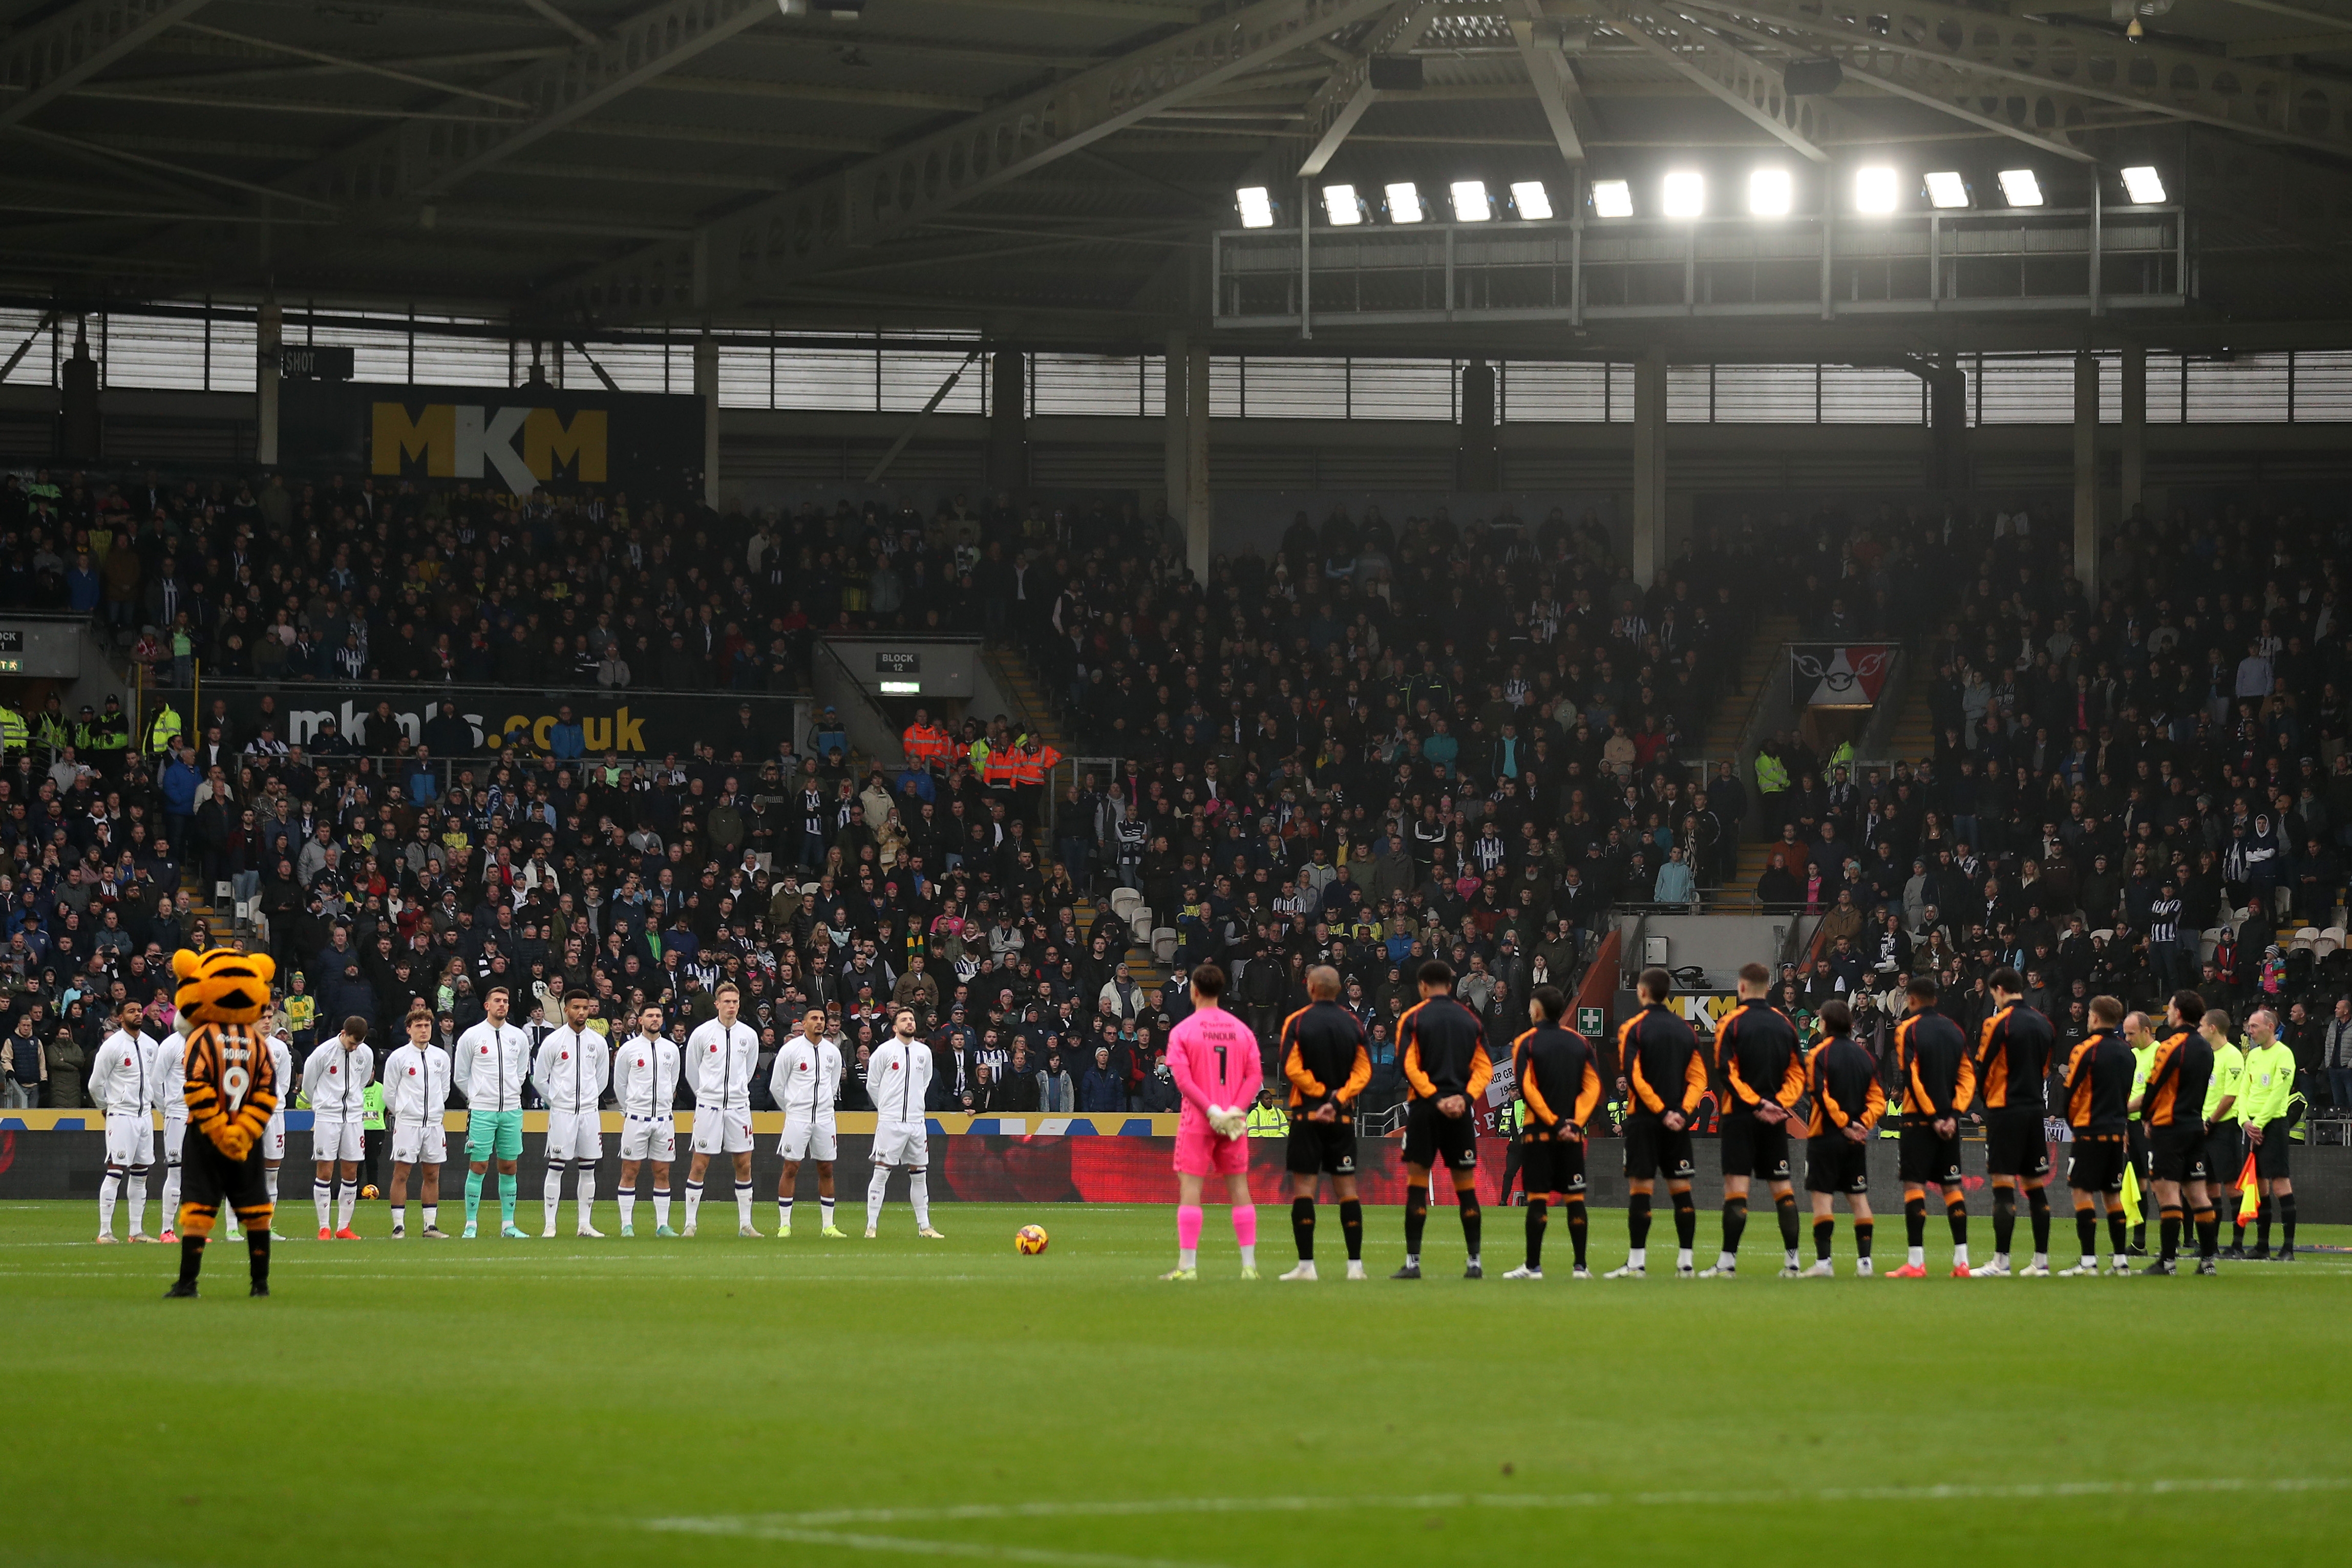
[(486, 1050), (412, 1072), (332, 1071), (565, 1057)]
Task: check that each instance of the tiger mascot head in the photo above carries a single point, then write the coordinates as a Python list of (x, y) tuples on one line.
[(222, 985)]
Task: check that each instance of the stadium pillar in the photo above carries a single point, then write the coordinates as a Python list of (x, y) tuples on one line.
[(1947, 420), (1008, 421), (269, 330), (705, 387), (2086, 472), (2134, 422), (79, 429), (1199, 506), (1480, 466), (1649, 466), (1175, 445)]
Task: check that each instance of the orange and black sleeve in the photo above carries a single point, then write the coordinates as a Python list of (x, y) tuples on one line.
[(1303, 1082), (1523, 1072), (1821, 1095), (1482, 1067), (1874, 1105), (1694, 1082), (1587, 1097), (1964, 1085), (1726, 1055), (1359, 1072), (1409, 1054)]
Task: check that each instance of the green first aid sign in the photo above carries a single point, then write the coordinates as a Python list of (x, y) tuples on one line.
[(1591, 1021)]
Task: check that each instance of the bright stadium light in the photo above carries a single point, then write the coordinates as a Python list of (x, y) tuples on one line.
[(2143, 185), (1874, 190), (1342, 205), (1946, 190), (1404, 203), (1771, 194), (1532, 200), (1258, 206), (1685, 194), (2020, 188), (1471, 203), (1612, 198)]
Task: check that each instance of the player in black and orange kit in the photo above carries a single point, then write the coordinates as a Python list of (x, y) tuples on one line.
[(1560, 1083), (1939, 1080), (2013, 1056), (1847, 1104), (1761, 1071), (1325, 1058), (1663, 1075), (1442, 1051), (2172, 1102), (2098, 1077)]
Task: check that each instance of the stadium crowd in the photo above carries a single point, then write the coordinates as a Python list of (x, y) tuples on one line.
[(1372, 744)]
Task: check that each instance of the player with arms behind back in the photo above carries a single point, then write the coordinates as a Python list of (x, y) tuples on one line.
[(1660, 1071), (1939, 1079), (1442, 1051), (1213, 1058), (231, 1088), (645, 1087), (897, 1078), (1327, 1063), (417, 1097), (1554, 1070), (1763, 1070), (804, 1082), (2013, 1056), (2098, 1077), (1847, 1103)]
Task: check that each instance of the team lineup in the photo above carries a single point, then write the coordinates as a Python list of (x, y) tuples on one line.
[(2173, 1097)]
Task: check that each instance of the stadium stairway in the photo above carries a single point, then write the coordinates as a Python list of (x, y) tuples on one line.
[(1761, 665)]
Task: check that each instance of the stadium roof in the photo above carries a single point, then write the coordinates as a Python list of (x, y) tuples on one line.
[(1056, 166)]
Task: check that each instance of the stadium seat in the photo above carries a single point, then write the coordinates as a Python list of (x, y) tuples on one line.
[(1123, 902), (2107, 935), (2306, 935), (1163, 945)]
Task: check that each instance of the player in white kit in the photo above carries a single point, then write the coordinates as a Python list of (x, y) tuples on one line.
[(416, 1097), (122, 1083), (170, 1081), (724, 1052), (645, 1087), (273, 1137), (335, 1082), (572, 1070), (897, 1078), (806, 1081)]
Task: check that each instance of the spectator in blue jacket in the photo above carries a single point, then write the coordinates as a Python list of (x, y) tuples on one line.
[(178, 784), (1101, 1090)]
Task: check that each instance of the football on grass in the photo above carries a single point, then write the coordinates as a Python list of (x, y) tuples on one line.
[(1029, 1240), (368, 1191)]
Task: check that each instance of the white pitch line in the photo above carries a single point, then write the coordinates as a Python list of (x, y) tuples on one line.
[(1137, 1508), (909, 1546)]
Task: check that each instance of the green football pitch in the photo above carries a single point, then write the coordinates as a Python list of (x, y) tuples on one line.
[(723, 1401)]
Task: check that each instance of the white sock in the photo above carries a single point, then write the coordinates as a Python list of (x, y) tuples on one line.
[(2000, 1258), (784, 1213), (873, 1191), (348, 1200), (172, 1195), (399, 1218), (693, 1201), (551, 1197), (1683, 1258), (1791, 1256), (824, 1208), (270, 1181), (742, 1206), (137, 1191), (1637, 1257), (1188, 1257), (628, 1196), (919, 1189), (1249, 1257), (1725, 1260), (109, 1191), (432, 1216), (587, 1199), (323, 1198), (1916, 1258), (1961, 1255), (2042, 1261), (661, 1208)]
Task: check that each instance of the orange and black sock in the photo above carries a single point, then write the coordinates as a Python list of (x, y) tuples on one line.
[(2115, 1232), (1416, 1218), (2005, 1218), (1863, 1232), (1735, 1225), (1686, 1220), (2208, 1232), (1576, 1228), (2037, 1204), (1536, 1209), (2167, 1230), (1785, 1205), (1824, 1233), (1637, 1220), (1302, 1228), (1472, 1222), (1956, 1209), (2087, 1226), (1915, 1220), (1351, 1225)]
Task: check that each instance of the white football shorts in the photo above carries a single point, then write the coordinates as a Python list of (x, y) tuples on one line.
[(333, 1140), (807, 1137), (419, 1142), (273, 1140), (902, 1143), (574, 1135), (130, 1139), (649, 1138), (722, 1132)]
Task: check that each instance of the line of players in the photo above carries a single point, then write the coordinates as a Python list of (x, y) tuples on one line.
[(135, 1075), (2179, 1086)]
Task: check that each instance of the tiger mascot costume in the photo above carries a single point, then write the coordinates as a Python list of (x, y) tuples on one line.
[(233, 1090)]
